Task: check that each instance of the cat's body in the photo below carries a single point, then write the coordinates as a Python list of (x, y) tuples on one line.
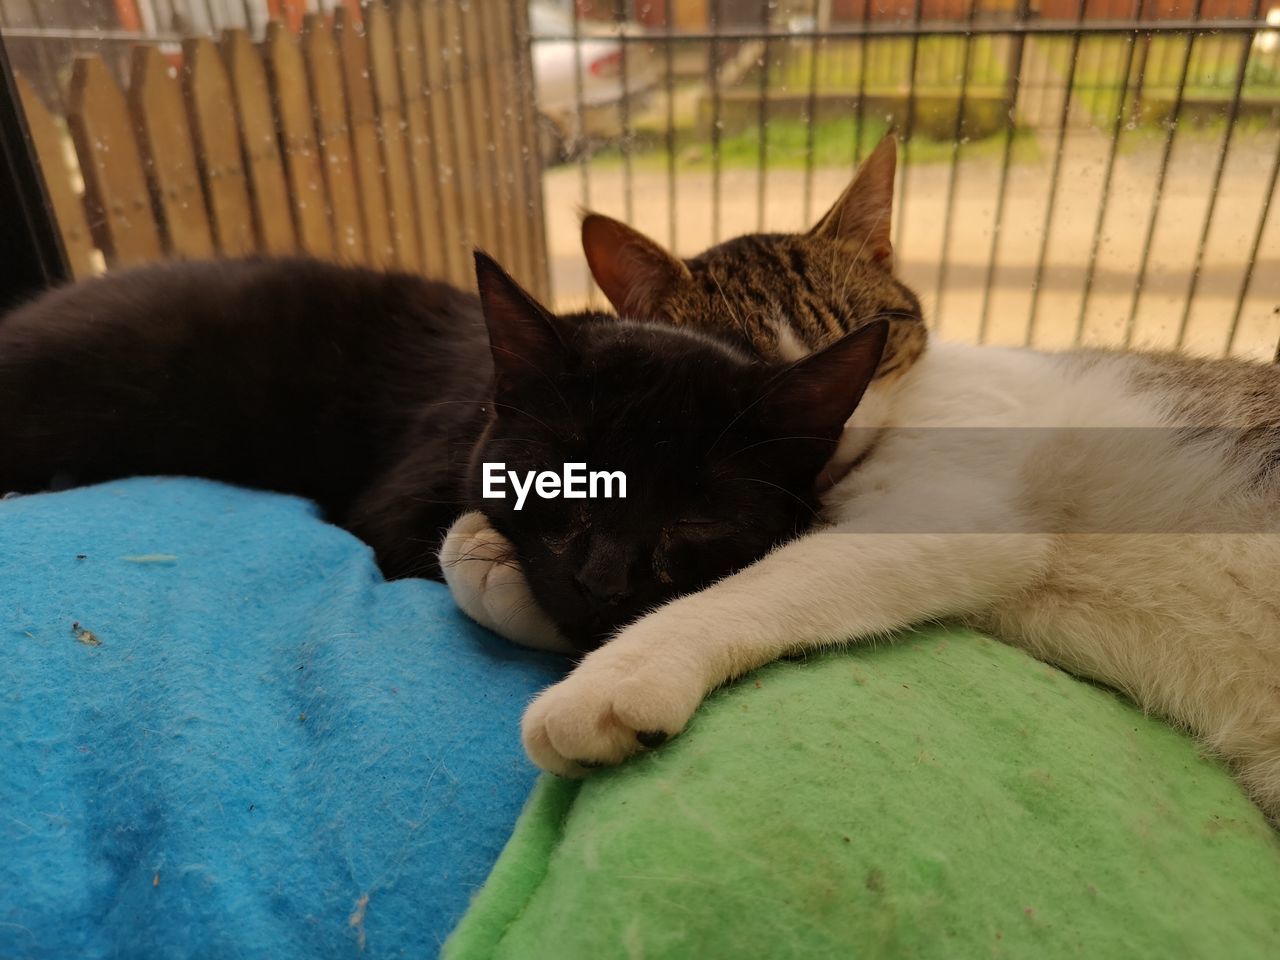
[(1070, 512), (1090, 508), (287, 375), (381, 397), (1056, 504), (1115, 514)]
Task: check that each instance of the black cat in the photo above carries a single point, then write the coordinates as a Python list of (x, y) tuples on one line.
[(381, 396)]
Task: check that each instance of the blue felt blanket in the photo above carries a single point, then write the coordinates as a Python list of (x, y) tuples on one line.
[(225, 736)]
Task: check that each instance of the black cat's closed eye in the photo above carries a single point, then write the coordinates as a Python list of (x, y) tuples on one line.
[(559, 544), (703, 528)]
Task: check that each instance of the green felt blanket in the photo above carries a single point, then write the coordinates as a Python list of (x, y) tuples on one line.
[(946, 796)]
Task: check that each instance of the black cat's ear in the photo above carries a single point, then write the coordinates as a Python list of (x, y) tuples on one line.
[(816, 395), (860, 220), (635, 273), (523, 337)]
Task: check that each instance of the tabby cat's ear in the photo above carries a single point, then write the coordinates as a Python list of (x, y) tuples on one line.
[(523, 337), (635, 273), (816, 395), (861, 218)]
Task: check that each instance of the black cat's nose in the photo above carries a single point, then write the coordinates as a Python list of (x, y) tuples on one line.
[(604, 576), (603, 585)]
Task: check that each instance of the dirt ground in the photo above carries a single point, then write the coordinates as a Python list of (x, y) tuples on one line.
[(955, 306)]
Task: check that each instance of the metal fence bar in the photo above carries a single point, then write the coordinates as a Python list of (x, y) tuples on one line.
[(624, 114), (463, 150), (1028, 27), (713, 67), (956, 134), (1051, 203), (864, 53), (502, 98), (1002, 189), (1117, 130), (906, 70), (427, 99), (1247, 280), (811, 123), (579, 132), (762, 120), (1172, 128), (534, 217), (1233, 112), (908, 128), (1140, 78), (476, 68), (1048, 28), (403, 36), (1221, 57), (94, 36), (671, 126)]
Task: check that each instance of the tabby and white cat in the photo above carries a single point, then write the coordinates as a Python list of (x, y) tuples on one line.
[(1117, 515)]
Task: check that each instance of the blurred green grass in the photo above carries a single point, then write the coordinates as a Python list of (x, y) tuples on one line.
[(1211, 73), (840, 64), (787, 141), (837, 69)]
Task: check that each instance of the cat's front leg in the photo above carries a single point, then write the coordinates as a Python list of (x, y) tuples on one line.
[(489, 586), (636, 691), (826, 588)]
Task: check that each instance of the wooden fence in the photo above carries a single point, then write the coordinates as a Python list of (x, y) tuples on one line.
[(399, 139)]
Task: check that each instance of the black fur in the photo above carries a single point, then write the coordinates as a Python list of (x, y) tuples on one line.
[(289, 375), (375, 395)]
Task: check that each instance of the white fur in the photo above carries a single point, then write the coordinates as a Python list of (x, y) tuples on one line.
[(983, 526), (789, 347), (490, 588)]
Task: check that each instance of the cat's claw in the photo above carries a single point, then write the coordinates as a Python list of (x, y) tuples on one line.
[(616, 703), (489, 586)]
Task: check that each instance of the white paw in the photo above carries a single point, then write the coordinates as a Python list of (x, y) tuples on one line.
[(488, 585), (617, 702)]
